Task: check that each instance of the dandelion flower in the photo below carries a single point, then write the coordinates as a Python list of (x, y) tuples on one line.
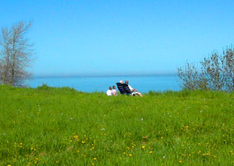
[(76, 137), (130, 155)]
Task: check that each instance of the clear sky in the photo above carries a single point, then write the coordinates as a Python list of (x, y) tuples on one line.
[(121, 36)]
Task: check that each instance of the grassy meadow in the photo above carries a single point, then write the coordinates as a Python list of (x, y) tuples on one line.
[(60, 126)]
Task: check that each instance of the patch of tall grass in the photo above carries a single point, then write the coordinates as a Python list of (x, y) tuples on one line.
[(60, 126)]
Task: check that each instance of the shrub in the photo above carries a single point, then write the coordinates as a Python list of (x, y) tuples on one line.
[(216, 73)]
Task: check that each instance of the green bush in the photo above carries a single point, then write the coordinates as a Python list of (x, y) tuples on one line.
[(216, 73)]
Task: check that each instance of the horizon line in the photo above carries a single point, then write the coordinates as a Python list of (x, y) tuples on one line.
[(104, 75)]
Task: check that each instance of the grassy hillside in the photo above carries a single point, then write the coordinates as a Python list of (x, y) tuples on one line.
[(60, 126)]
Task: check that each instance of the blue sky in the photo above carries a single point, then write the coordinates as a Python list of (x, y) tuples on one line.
[(73, 37)]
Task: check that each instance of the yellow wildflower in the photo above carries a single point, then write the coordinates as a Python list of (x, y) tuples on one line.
[(76, 137)]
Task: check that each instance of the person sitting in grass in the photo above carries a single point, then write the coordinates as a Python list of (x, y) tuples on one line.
[(114, 92), (134, 91), (108, 92)]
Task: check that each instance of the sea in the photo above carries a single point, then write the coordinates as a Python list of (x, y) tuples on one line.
[(144, 84)]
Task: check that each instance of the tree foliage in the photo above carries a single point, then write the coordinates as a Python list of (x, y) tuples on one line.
[(216, 73), (15, 54)]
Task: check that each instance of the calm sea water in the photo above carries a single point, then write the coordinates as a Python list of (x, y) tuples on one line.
[(143, 84)]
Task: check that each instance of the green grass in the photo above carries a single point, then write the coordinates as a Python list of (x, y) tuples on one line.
[(60, 126)]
